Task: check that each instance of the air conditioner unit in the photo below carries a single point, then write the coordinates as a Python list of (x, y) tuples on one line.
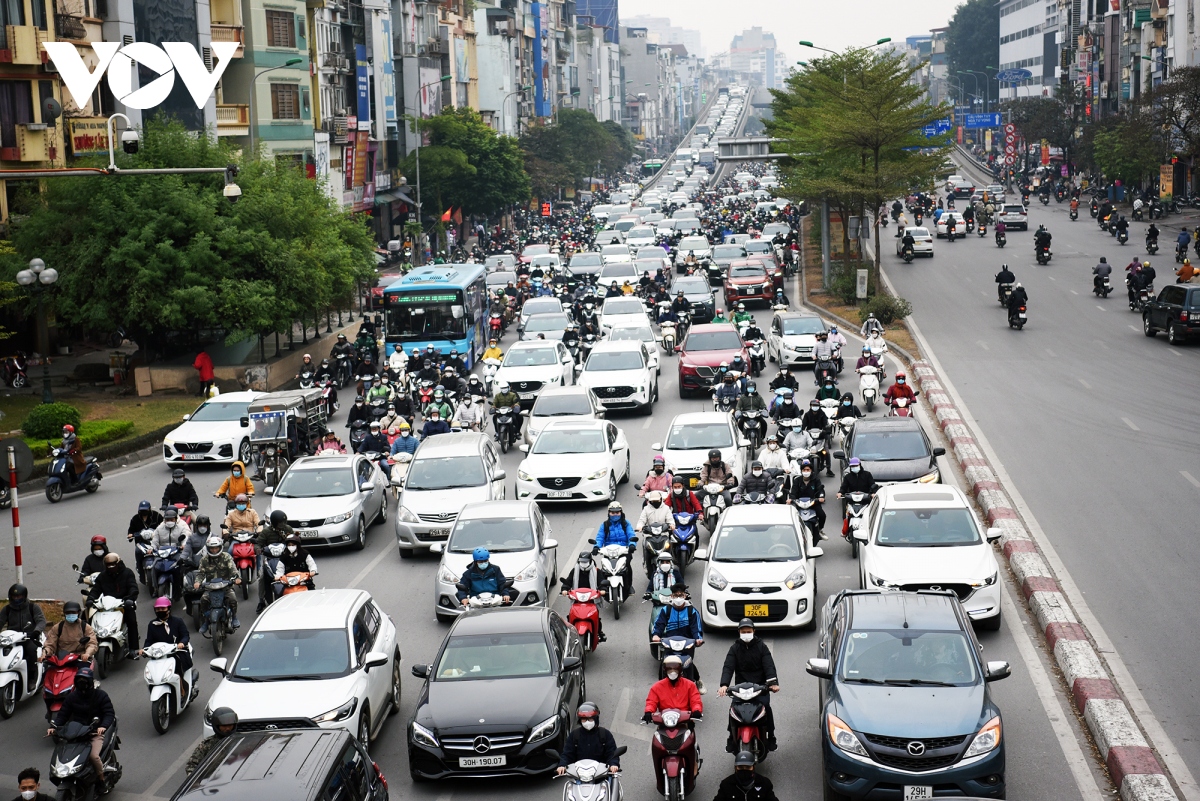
[(339, 130), (333, 78)]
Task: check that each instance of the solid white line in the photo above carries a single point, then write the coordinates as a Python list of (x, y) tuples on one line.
[(621, 720), (649, 421), (1129, 423), (1134, 328), (1192, 479), (1086, 385), (1174, 352)]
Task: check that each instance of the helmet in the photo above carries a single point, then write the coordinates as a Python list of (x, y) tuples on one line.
[(672, 661), (902, 375), (755, 463), (358, 399), (162, 602), (202, 520), (1017, 285), (854, 461), (73, 607), (212, 542), (588, 711), (833, 329), (241, 498), (866, 349), (1145, 264), (224, 720), (144, 506), (17, 592), (68, 429), (341, 337), (771, 438), (177, 472), (787, 392), (502, 386), (375, 425), (308, 355), (714, 454), (84, 680), (751, 388), (278, 517), (480, 555), (741, 307), (658, 459), (404, 426), (585, 556), (171, 513), (99, 540), (615, 506), (111, 559)]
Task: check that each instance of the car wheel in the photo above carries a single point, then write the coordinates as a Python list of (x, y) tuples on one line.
[(383, 509), (612, 488), (682, 391), (832, 794), (396, 687), (1173, 336), (360, 541), (989, 623), (364, 727), (406, 553), (244, 452), (625, 478), (1148, 329)]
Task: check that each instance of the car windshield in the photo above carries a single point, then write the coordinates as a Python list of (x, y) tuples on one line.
[(494, 656), (917, 233), (536, 250), (495, 261), (758, 246), (586, 260), (926, 528), (641, 232), (609, 360), (541, 306), (699, 436), (531, 357), (624, 306), (630, 334), (692, 243), (498, 535), (795, 326), (561, 405), (553, 441), (501, 278), (761, 543), (747, 271), (293, 655), (648, 264), (1014, 209), (729, 252), (545, 261), (445, 472), (216, 411), (620, 270), (691, 286), (713, 340), (888, 446), (309, 483), (907, 656), (546, 322)]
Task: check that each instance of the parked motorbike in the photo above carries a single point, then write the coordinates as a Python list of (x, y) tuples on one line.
[(675, 754), (747, 711), (62, 479), (584, 617), (71, 768), (15, 371), (15, 684), (167, 697)]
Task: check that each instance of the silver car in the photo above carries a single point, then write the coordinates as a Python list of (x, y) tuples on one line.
[(330, 500), (518, 541)]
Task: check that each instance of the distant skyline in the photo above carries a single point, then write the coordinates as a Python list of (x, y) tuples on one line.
[(852, 24)]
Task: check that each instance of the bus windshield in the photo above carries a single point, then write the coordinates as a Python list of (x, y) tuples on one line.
[(426, 315)]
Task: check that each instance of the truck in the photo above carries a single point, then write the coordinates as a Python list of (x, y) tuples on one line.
[(707, 157)]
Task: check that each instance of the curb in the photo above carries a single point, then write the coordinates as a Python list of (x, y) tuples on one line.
[(1131, 762)]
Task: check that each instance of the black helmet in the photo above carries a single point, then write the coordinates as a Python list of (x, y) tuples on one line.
[(18, 593), (177, 472), (224, 720), (744, 759), (278, 517), (202, 520), (84, 681), (72, 607), (359, 398), (714, 454), (585, 556), (588, 711)]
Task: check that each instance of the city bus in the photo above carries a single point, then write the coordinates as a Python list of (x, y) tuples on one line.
[(650, 168), (444, 305)]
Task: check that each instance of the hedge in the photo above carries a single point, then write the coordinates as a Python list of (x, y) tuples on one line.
[(47, 420), (91, 434)]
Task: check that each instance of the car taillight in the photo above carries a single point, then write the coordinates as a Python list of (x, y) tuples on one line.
[(1183, 316)]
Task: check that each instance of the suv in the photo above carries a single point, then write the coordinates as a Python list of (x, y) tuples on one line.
[(882, 656), (1013, 215), (894, 449), (703, 351), (1176, 311)]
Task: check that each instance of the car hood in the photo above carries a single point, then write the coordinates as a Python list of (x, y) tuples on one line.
[(747, 280), (430, 501), (546, 465), (616, 320), (710, 358), (510, 564), (613, 378), (898, 469), (963, 563), (315, 508), (192, 431), (450, 706), (755, 573), (692, 461), (917, 712), (799, 340), (543, 372), (284, 699), (699, 297)]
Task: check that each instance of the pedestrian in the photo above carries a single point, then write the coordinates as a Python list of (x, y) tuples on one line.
[(204, 364), (29, 782)]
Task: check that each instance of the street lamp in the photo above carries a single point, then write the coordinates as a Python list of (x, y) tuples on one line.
[(291, 62), (38, 277), (504, 102)]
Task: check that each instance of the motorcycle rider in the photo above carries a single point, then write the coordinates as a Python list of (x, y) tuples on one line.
[(847, 408), (658, 479), (901, 389), (856, 479), (118, 581), (180, 490), (434, 424), (278, 530), (24, 616), (506, 397), (1005, 276), (682, 499), (307, 365), (1183, 240), (749, 660), (785, 378), (753, 332), (1122, 226), (665, 576), (68, 636), (807, 485), (1001, 230), (719, 316), (358, 411), (616, 530), (469, 416), (715, 471), (1041, 239), (680, 619), (772, 456), (1185, 272), (217, 564), (380, 392), (744, 784), (589, 741), (146, 518), (655, 511), (493, 351), (168, 628), (827, 390), (740, 315), (70, 446), (342, 347), (681, 303), (374, 441), (1016, 300), (728, 392), (870, 325), (756, 480), (295, 559), (193, 542), (404, 441), (224, 723), (1100, 272), (87, 704), (815, 418), (786, 408), (453, 360), (908, 243), (236, 483), (240, 518), (482, 576), (749, 402)]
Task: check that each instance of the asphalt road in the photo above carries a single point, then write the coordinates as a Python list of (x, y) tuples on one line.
[(1093, 422), (1045, 756)]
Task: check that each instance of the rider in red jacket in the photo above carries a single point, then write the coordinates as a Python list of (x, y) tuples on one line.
[(674, 692), (898, 390), (681, 499)]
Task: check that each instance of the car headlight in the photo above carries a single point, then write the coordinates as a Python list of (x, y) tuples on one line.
[(527, 573), (341, 713), (170, 443), (987, 739), (987, 582), (716, 580), (878, 582), (797, 579), (546, 728), (688, 366), (523, 476), (339, 518), (405, 516), (841, 736), (601, 473), (446, 577), (423, 736), (929, 478)]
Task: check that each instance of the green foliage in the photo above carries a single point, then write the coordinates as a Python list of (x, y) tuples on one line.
[(843, 283), (47, 420), (1172, 107), (1053, 119), (973, 43), (90, 434), (566, 154), (886, 308), (1129, 150)]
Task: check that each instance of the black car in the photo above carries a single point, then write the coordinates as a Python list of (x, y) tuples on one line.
[(699, 294), (1176, 311), (905, 710), (893, 449), (302, 764), (501, 692)]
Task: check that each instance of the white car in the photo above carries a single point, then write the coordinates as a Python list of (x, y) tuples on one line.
[(531, 365), (218, 431), (699, 245), (952, 180), (623, 311), (792, 337), (574, 460), (544, 305), (621, 376), (759, 566), (960, 225), (639, 236), (613, 254), (328, 656), (922, 240), (1014, 216), (690, 438), (924, 536), (560, 403), (550, 261), (638, 332)]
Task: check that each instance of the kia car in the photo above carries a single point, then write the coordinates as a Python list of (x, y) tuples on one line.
[(331, 500)]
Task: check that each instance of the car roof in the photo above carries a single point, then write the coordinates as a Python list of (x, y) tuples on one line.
[(576, 424), (574, 389), (482, 510), (695, 418), (501, 621), (709, 328), (620, 344), (920, 496), (245, 396), (789, 315), (461, 443), (320, 609), (533, 344), (888, 424), (325, 460), (742, 514), (892, 610), (273, 765)]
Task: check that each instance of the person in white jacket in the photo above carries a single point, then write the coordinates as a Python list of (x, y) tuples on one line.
[(772, 456), (171, 531), (469, 415), (655, 511)]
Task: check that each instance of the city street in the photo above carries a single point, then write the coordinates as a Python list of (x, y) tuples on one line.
[(1047, 757), (1089, 419)]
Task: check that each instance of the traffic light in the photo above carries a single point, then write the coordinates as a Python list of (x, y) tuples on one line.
[(1174, 159), (545, 209)]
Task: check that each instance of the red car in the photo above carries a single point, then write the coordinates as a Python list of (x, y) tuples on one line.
[(703, 350), (534, 250), (770, 265), (748, 280)]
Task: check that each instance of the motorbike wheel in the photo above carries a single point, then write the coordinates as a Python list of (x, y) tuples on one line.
[(92, 486), (853, 547), (54, 493), (63, 794), (674, 791), (870, 405), (160, 713), (245, 571), (8, 700), (504, 442), (197, 617), (102, 662), (19, 381), (218, 638), (616, 606)]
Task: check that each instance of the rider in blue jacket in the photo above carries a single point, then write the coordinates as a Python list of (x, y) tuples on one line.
[(616, 530), (680, 619), (482, 576)]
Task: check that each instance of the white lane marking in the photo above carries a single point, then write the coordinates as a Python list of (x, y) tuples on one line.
[(1174, 352), (1052, 278), (1133, 328), (1101, 308), (366, 571), (1086, 385), (1073, 292), (646, 424), (179, 762), (1191, 479), (1129, 423), (621, 721), (1051, 354), (446, 796), (1077, 761), (982, 344)]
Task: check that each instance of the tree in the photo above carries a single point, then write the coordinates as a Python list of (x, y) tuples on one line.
[(497, 178), (568, 152), (1172, 107), (1129, 150), (973, 41)]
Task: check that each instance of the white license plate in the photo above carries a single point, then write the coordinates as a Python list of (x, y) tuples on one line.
[(917, 792), (500, 761), (191, 456), (559, 494), (308, 533), (1022, 316), (439, 532)]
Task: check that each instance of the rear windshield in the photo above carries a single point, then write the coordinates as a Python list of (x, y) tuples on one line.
[(586, 260), (713, 340), (561, 405), (729, 252), (692, 243), (885, 446)]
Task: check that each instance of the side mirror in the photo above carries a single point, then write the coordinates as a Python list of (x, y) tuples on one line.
[(994, 533), (269, 490), (499, 475), (657, 447), (437, 547), (366, 486), (187, 417), (996, 671), (574, 663), (819, 668), (374, 659), (679, 348), (421, 671), (549, 544), (523, 448), (859, 535), (813, 553), (591, 542), (578, 368), (939, 451), (701, 555), (839, 454), (244, 422), (218, 665)]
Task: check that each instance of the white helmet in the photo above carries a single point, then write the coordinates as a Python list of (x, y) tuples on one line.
[(212, 542), (502, 386)]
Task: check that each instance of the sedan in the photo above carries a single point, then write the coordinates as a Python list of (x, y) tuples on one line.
[(638, 332), (585, 264), (895, 450), (792, 337), (498, 696), (574, 460), (690, 438), (545, 305), (615, 253), (500, 279), (922, 241), (550, 326), (960, 225), (533, 250), (561, 403), (757, 545), (623, 311), (330, 500), (501, 261)]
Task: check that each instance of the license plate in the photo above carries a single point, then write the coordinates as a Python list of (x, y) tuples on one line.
[(917, 792), (499, 761), (308, 533), (755, 610), (1022, 316), (439, 532), (187, 457), (559, 494)]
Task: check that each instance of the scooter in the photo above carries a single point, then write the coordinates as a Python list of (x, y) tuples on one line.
[(308, 378), (1122, 237), (868, 385), (590, 780), (1017, 318), (1103, 288), (856, 510), (502, 422), (675, 754), (358, 433), (584, 617), (1151, 245), (656, 539), (1005, 292), (1001, 239), (747, 711), (143, 545), (63, 481), (668, 336), (1074, 215), (71, 768), (15, 372), (900, 408), (808, 518), (216, 613), (15, 685), (752, 424), (680, 646), (713, 506), (1043, 255), (295, 582), (613, 564), (167, 698), (59, 679), (490, 366), (400, 463), (907, 254), (112, 633), (344, 371), (245, 558), (496, 325), (165, 572)]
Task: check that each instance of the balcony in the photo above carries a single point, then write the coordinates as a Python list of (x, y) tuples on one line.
[(68, 26), (233, 119), (222, 32)]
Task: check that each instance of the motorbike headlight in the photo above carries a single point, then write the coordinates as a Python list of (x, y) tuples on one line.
[(446, 577), (601, 473), (545, 729), (522, 475), (841, 736), (716, 580), (797, 579), (405, 516), (271, 451), (987, 739), (62, 770), (929, 478), (341, 713), (987, 582), (338, 518), (878, 582), (103, 632), (527, 573), (423, 736)]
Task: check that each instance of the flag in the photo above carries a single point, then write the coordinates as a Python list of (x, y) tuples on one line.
[(446, 216), (458, 216)]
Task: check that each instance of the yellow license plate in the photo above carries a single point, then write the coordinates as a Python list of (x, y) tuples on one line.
[(755, 610), (693, 482)]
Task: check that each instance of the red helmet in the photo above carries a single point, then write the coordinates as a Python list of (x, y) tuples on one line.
[(162, 602), (98, 540), (588, 711), (68, 428)]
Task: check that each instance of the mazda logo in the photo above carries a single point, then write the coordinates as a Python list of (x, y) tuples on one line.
[(482, 745), (558, 482), (915, 748)]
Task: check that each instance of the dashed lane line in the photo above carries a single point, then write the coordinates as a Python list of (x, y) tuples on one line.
[(1129, 423)]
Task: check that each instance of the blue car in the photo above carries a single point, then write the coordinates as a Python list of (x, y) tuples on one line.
[(905, 708)]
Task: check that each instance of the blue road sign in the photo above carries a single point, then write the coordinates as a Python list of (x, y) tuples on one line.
[(981, 120)]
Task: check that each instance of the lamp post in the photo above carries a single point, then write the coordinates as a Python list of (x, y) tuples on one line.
[(291, 62), (38, 277), (416, 129), (504, 103), (974, 82)]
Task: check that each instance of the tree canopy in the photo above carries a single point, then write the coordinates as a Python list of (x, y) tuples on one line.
[(973, 43), (1172, 106), (572, 149)]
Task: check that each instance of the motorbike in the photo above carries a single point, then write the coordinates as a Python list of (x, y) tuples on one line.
[(668, 335), (1001, 239), (655, 539), (358, 433), (856, 511), (907, 254), (15, 372), (758, 356), (166, 571), (868, 385), (584, 617), (1141, 298), (1180, 252), (713, 506), (808, 518), (585, 347), (143, 545), (970, 227), (1043, 255), (613, 564), (900, 408), (167, 698), (295, 582), (1122, 237), (1005, 291), (502, 422), (112, 633), (747, 710), (496, 325), (1094, 208), (63, 481), (1103, 288), (680, 646), (400, 463), (15, 685), (823, 370), (1017, 318), (327, 388), (59, 679), (308, 378), (982, 231), (246, 558), (879, 349), (1045, 199), (490, 366), (345, 369), (589, 780), (753, 425), (71, 768), (675, 754), (217, 613), (1074, 215), (1151, 245)]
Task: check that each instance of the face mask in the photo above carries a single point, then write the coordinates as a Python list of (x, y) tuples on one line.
[(673, 675), (656, 504), (771, 446), (679, 603), (845, 403), (358, 403), (291, 548), (746, 636), (162, 614), (28, 795), (177, 480), (665, 567), (797, 430), (659, 470), (900, 381), (757, 472), (202, 529), (744, 777), (169, 524), (855, 469), (829, 386), (241, 507), (482, 565), (72, 618), (237, 473), (806, 473), (97, 552), (404, 433), (614, 518), (584, 565)]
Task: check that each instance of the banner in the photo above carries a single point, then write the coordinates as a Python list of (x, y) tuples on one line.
[(362, 84), (88, 135), (1166, 180), (987, 141), (1045, 154), (389, 75)]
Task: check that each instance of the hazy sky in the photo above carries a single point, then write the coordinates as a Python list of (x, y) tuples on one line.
[(835, 25)]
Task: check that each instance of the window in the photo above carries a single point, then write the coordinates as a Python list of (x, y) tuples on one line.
[(285, 101), (362, 636), (281, 29), (16, 106), (349, 781)]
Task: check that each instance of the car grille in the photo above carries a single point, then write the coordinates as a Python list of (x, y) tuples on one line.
[(483, 744), (272, 725), (937, 752), (750, 290), (754, 590), (614, 392), (930, 743), (306, 523), (776, 611), (559, 483), (438, 517), (193, 447), (526, 386), (963, 591), (706, 372)]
